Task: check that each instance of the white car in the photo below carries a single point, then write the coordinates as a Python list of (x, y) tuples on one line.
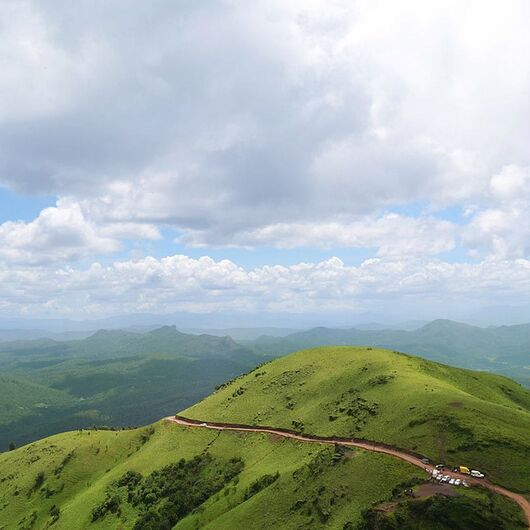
[(458, 482), (204, 425), (446, 478), (476, 474), (451, 481), (465, 484)]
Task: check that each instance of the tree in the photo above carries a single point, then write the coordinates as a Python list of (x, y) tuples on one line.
[(12, 446)]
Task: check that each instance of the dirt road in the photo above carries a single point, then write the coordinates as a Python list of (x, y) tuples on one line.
[(369, 446)]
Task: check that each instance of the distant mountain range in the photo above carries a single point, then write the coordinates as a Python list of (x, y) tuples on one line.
[(504, 349)]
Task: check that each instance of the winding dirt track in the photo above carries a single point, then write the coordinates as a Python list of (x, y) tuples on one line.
[(368, 446)]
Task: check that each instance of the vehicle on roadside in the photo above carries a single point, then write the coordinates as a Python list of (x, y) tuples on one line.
[(425, 461), (465, 484), (203, 425), (463, 469), (451, 481), (458, 482), (440, 467), (446, 478), (476, 474)]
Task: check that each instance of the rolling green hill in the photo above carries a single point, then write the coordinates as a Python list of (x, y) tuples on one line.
[(111, 378), (452, 415), (169, 476), (504, 350)]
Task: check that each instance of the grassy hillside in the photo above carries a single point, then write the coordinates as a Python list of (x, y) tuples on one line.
[(504, 350), (111, 378), (449, 414), (76, 470), (167, 476), (109, 480)]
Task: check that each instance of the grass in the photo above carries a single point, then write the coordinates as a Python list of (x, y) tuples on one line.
[(448, 414), (74, 470)]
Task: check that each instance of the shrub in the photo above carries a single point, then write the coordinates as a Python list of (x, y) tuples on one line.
[(260, 484)]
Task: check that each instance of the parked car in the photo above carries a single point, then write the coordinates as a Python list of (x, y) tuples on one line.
[(476, 474), (451, 481), (425, 460), (458, 482), (440, 467)]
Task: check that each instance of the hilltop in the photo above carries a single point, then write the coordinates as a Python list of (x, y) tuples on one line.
[(449, 414), (137, 478)]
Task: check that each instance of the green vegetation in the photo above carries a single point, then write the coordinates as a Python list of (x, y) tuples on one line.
[(168, 476), (448, 414), (167, 495), (111, 378), (477, 511)]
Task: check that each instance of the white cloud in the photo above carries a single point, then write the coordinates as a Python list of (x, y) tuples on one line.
[(63, 233), (390, 234), (282, 124), (180, 283), (253, 116), (502, 230)]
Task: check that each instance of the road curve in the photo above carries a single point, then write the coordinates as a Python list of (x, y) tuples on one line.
[(367, 445)]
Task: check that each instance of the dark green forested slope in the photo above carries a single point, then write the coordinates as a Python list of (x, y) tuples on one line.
[(110, 378)]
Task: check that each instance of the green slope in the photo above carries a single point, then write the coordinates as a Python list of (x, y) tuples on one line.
[(59, 482), (449, 414), (22, 398), (78, 468)]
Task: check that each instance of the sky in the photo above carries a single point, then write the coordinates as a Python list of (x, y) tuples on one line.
[(312, 157)]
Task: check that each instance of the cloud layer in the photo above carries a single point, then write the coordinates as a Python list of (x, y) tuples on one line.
[(303, 124), (386, 286)]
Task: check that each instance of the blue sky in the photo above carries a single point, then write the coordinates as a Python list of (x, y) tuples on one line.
[(307, 158), (17, 207)]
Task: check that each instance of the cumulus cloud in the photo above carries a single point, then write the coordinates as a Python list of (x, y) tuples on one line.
[(279, 124), (502, 230), (228, 117), (62, 233), (204, 285)]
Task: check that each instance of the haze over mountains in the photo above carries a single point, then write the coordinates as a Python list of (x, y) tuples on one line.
[(503, 349)]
